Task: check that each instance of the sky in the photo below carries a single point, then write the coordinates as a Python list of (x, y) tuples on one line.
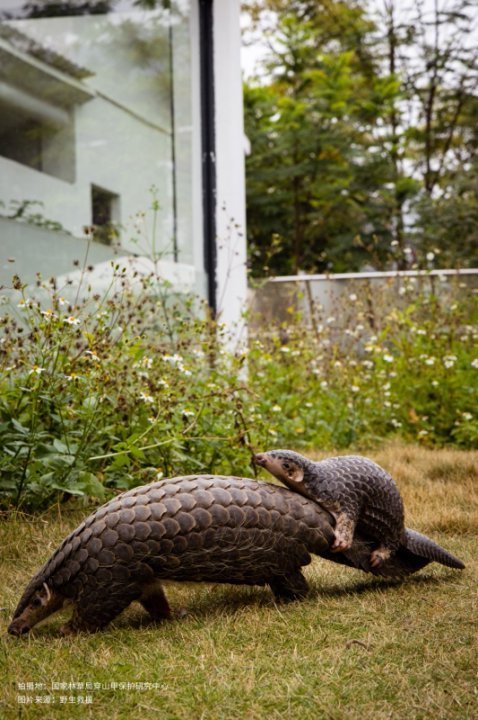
[(251, 54)]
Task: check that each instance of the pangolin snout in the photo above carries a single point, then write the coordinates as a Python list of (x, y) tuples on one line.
[(260, 459), (18, 628)]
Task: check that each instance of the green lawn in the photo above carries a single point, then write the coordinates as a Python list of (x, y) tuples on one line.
[(355, 649)]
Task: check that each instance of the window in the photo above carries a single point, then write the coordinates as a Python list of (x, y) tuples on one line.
[(104, 212), (97, 122)]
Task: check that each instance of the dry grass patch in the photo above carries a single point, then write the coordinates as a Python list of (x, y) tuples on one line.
[(356, 648)]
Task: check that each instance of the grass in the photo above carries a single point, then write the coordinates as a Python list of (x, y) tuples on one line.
[(356, 648)]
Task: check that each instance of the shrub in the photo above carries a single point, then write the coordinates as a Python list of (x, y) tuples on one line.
[(109, 392)]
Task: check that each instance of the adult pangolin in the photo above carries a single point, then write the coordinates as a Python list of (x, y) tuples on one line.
[(195, 528)]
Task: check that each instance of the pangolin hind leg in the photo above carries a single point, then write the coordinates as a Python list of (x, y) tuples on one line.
[(155, 602), (380, 555), (289, 587)]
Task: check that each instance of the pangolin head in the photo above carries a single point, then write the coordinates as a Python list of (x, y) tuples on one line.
[(286, 465)]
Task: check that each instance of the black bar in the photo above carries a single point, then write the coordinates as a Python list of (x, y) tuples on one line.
[(208, 138)]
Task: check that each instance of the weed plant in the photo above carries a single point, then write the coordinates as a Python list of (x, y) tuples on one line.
[(401, 361), (99, 393)]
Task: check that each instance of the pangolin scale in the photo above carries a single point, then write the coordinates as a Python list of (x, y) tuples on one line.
[(195, 528)]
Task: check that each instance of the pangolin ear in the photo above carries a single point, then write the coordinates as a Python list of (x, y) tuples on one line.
[(45, 594), (297, 475)]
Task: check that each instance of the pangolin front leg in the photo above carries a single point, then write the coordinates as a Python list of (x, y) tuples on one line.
[(344, 531), (94, 611)]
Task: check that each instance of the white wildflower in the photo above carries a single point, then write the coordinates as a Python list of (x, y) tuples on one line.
[(188, 413), (92, 355), (36, 370), (388, 358), (430, 361), (173, 359), (24, 304), (353, 297), (48, 314), (146, 398), (330, 320), (71, 320), (474, 363), (396, 423), (430, 256), (449, 361), (354, 388), (276, 408), (324, 384)]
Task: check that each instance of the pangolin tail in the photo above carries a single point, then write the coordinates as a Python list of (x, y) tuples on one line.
[(422, 546)]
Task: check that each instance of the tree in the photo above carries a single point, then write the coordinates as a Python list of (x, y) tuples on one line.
[(363, 136), (317, 176), (431, 49)]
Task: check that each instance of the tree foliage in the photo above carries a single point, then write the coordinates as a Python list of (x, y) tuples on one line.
[(362, 136)]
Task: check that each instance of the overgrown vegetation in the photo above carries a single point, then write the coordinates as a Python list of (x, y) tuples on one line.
[(355, 648), (110, 392)]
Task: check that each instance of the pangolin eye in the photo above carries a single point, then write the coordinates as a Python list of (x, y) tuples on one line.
[(286, 465), (36, 602)]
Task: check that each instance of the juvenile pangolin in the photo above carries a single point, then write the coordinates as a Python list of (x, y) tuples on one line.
[(358, 492), (195, 528)]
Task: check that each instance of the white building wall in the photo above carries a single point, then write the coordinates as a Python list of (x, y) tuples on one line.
[(132, 155)]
